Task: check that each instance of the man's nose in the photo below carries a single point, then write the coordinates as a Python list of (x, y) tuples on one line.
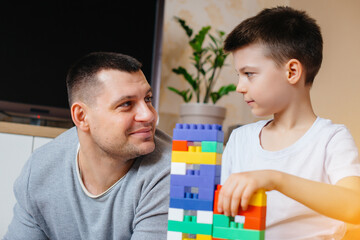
[(145, 113)]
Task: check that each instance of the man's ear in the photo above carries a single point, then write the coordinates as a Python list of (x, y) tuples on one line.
[(79, 112), (294, 71)]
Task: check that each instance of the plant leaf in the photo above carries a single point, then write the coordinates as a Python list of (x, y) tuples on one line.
[(186, 28), (182, 71), (197, 41), (183, 94), (224, 90)]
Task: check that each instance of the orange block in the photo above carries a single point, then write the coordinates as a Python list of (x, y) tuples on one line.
[(180, 145), (255, 223), (253, 211), (255, 216)]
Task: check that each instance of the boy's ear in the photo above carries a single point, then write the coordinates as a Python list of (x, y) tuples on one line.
[(294, 71), (79, 115)]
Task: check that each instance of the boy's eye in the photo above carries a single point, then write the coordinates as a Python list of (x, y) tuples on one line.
[(249, 74)]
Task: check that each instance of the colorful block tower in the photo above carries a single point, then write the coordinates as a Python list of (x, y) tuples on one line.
[(194, 188)]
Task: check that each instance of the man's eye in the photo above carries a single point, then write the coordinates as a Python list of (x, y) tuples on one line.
[(125, 104), (148, 99)]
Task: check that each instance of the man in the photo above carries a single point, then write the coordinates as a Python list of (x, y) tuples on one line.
[(108, 177)]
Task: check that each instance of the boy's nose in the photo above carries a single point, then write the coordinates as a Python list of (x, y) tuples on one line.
[(241, 88)]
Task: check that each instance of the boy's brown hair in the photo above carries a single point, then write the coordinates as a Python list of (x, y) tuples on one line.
[(286, 33)]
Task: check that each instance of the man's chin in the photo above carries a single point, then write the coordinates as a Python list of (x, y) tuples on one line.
[(146, 147)]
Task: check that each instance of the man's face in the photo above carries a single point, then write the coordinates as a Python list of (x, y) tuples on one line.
[(122, 119), (263, 84)]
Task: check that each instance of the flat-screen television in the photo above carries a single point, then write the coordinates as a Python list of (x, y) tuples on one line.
[(40, 40)]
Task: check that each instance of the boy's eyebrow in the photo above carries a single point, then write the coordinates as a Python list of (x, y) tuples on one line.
[(246, 67)]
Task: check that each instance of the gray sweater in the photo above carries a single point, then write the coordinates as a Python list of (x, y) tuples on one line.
[(51, 203)]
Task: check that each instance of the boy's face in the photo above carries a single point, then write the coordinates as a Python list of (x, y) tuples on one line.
[(263, 84)]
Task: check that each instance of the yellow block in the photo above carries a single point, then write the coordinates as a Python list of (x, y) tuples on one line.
[(200, 237), (196, 157), (258, 198)]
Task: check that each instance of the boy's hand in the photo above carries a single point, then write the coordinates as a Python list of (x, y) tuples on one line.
[(239, 187)]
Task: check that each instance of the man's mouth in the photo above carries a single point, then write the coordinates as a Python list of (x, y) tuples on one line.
[(143, 132)]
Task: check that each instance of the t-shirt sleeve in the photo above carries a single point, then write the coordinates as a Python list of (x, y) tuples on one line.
[(342, 158), (23, 224), (150, 221)]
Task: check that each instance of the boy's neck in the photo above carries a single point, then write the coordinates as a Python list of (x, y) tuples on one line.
[(288, 126)]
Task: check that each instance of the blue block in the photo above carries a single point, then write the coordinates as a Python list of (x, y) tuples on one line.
[(191, 204), (183, 192), (198, 132), (207, 177)]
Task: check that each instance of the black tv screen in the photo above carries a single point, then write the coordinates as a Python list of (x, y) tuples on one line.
[(40, 40)]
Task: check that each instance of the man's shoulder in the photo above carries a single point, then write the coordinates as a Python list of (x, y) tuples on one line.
[(61, 143), (56, 154)]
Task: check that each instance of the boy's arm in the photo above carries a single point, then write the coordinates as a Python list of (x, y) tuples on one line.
[(340, 201)]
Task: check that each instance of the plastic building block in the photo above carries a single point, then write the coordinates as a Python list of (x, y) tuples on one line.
[(255, 223), (192, 192), (171, 235), (179, 145), (255, 216), (203, 237), (258, 200), (178, 168), (212, 146), (176, 214), (195, 156), (204, 217), (238, 233), (189, 225), (198, 132), (191, 204), (207, 177), (216, 199), (225, 228)]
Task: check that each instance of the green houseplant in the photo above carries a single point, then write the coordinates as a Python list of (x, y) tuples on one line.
[(207, 61)]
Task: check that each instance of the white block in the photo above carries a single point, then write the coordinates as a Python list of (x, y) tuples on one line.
[(178, 168), (204, 217), (239, 219), (176, 214), (174, 235)]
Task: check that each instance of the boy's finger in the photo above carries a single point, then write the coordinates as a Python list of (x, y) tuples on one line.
[(236, 199), (245, 199)]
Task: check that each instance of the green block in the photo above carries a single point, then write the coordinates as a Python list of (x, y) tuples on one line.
[(221, 220), (190, 227), (212, 146), (239, 234)]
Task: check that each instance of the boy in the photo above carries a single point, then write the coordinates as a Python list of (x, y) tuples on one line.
[(311, 163)]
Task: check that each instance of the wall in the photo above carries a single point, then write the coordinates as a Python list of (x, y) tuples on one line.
[(335, 92)]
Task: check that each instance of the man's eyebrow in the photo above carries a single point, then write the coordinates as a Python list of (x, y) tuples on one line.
[(128, 97)]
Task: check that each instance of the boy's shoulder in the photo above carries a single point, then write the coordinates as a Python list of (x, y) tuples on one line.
[(250, 127)]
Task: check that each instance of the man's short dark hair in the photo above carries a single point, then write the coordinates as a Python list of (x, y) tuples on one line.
[(82, 76), (286, 34)]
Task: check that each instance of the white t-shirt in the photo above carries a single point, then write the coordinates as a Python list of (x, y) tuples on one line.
[(325, 153)]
